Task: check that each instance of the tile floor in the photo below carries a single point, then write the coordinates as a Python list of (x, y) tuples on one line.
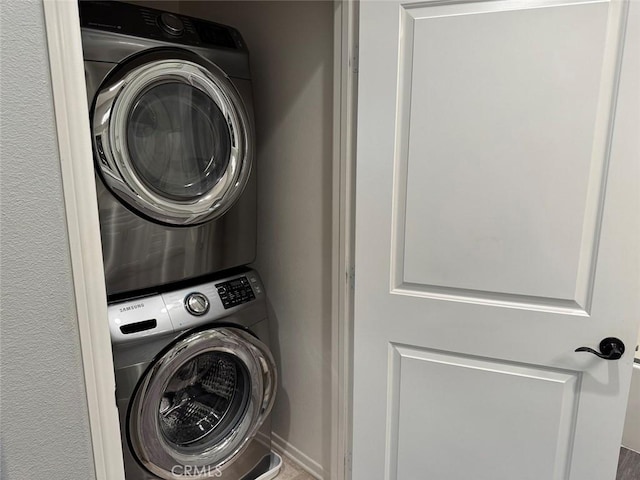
[(629, 465), (291, 471)]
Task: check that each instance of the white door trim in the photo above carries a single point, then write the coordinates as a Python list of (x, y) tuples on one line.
[(78, 178), (344, 156)]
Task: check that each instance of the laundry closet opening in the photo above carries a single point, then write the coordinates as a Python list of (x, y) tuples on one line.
[(291, 60)]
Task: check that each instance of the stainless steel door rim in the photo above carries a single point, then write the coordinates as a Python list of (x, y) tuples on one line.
[(111, 119), (159, 453)]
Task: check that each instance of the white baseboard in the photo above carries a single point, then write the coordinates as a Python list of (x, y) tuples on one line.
[(312, 467)]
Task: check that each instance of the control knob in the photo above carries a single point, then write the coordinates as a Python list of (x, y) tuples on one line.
[(171, 24), (196, 304)]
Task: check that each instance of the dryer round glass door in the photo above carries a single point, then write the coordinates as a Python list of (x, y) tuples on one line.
[(202, 402), (172, 138), (178, 140)]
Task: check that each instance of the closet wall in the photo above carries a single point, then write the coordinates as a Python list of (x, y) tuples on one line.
[(45, 422), (291, 46)]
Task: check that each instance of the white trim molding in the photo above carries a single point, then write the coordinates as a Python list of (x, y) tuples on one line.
[(284, 448), (343, 275), (78, 178)]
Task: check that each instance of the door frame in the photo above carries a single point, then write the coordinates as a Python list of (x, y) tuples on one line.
[(345, 88), (79, 189), (83, 225)]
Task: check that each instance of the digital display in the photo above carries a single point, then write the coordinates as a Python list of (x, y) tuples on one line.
[(235, 292)]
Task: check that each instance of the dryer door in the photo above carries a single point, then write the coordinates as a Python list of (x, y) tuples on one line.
[(172, 138), (201, 403)]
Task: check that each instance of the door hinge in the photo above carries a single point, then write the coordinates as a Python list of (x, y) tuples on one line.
[(354, 60), (351, 277), (347, 464)]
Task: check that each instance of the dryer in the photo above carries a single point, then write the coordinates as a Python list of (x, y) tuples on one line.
[(195, 381), (173, 139)]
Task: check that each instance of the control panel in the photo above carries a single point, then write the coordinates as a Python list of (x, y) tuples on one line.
[(155, 24), (235, 292), (177, 310)]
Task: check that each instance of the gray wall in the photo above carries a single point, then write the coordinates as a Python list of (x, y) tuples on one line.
[(291, 45), (44, 429)]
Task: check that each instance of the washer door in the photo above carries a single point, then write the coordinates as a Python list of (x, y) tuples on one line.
[(201, 403), (173, 138)]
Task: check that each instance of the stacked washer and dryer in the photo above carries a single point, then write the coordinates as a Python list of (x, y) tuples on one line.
[(173, 139)]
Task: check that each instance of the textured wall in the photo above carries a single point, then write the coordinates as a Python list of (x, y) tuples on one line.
[(44, 429), (291, 45)]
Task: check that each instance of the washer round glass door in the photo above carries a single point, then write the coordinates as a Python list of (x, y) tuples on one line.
[(173, 139), (202, 402)]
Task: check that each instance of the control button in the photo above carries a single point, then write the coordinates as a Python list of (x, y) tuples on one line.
[(171, 24), (196, 304)]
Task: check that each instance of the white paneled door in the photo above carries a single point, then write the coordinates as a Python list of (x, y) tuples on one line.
[(498, 229)]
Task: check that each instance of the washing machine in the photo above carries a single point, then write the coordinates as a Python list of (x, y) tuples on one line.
[(172, 130), (195, 381)]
